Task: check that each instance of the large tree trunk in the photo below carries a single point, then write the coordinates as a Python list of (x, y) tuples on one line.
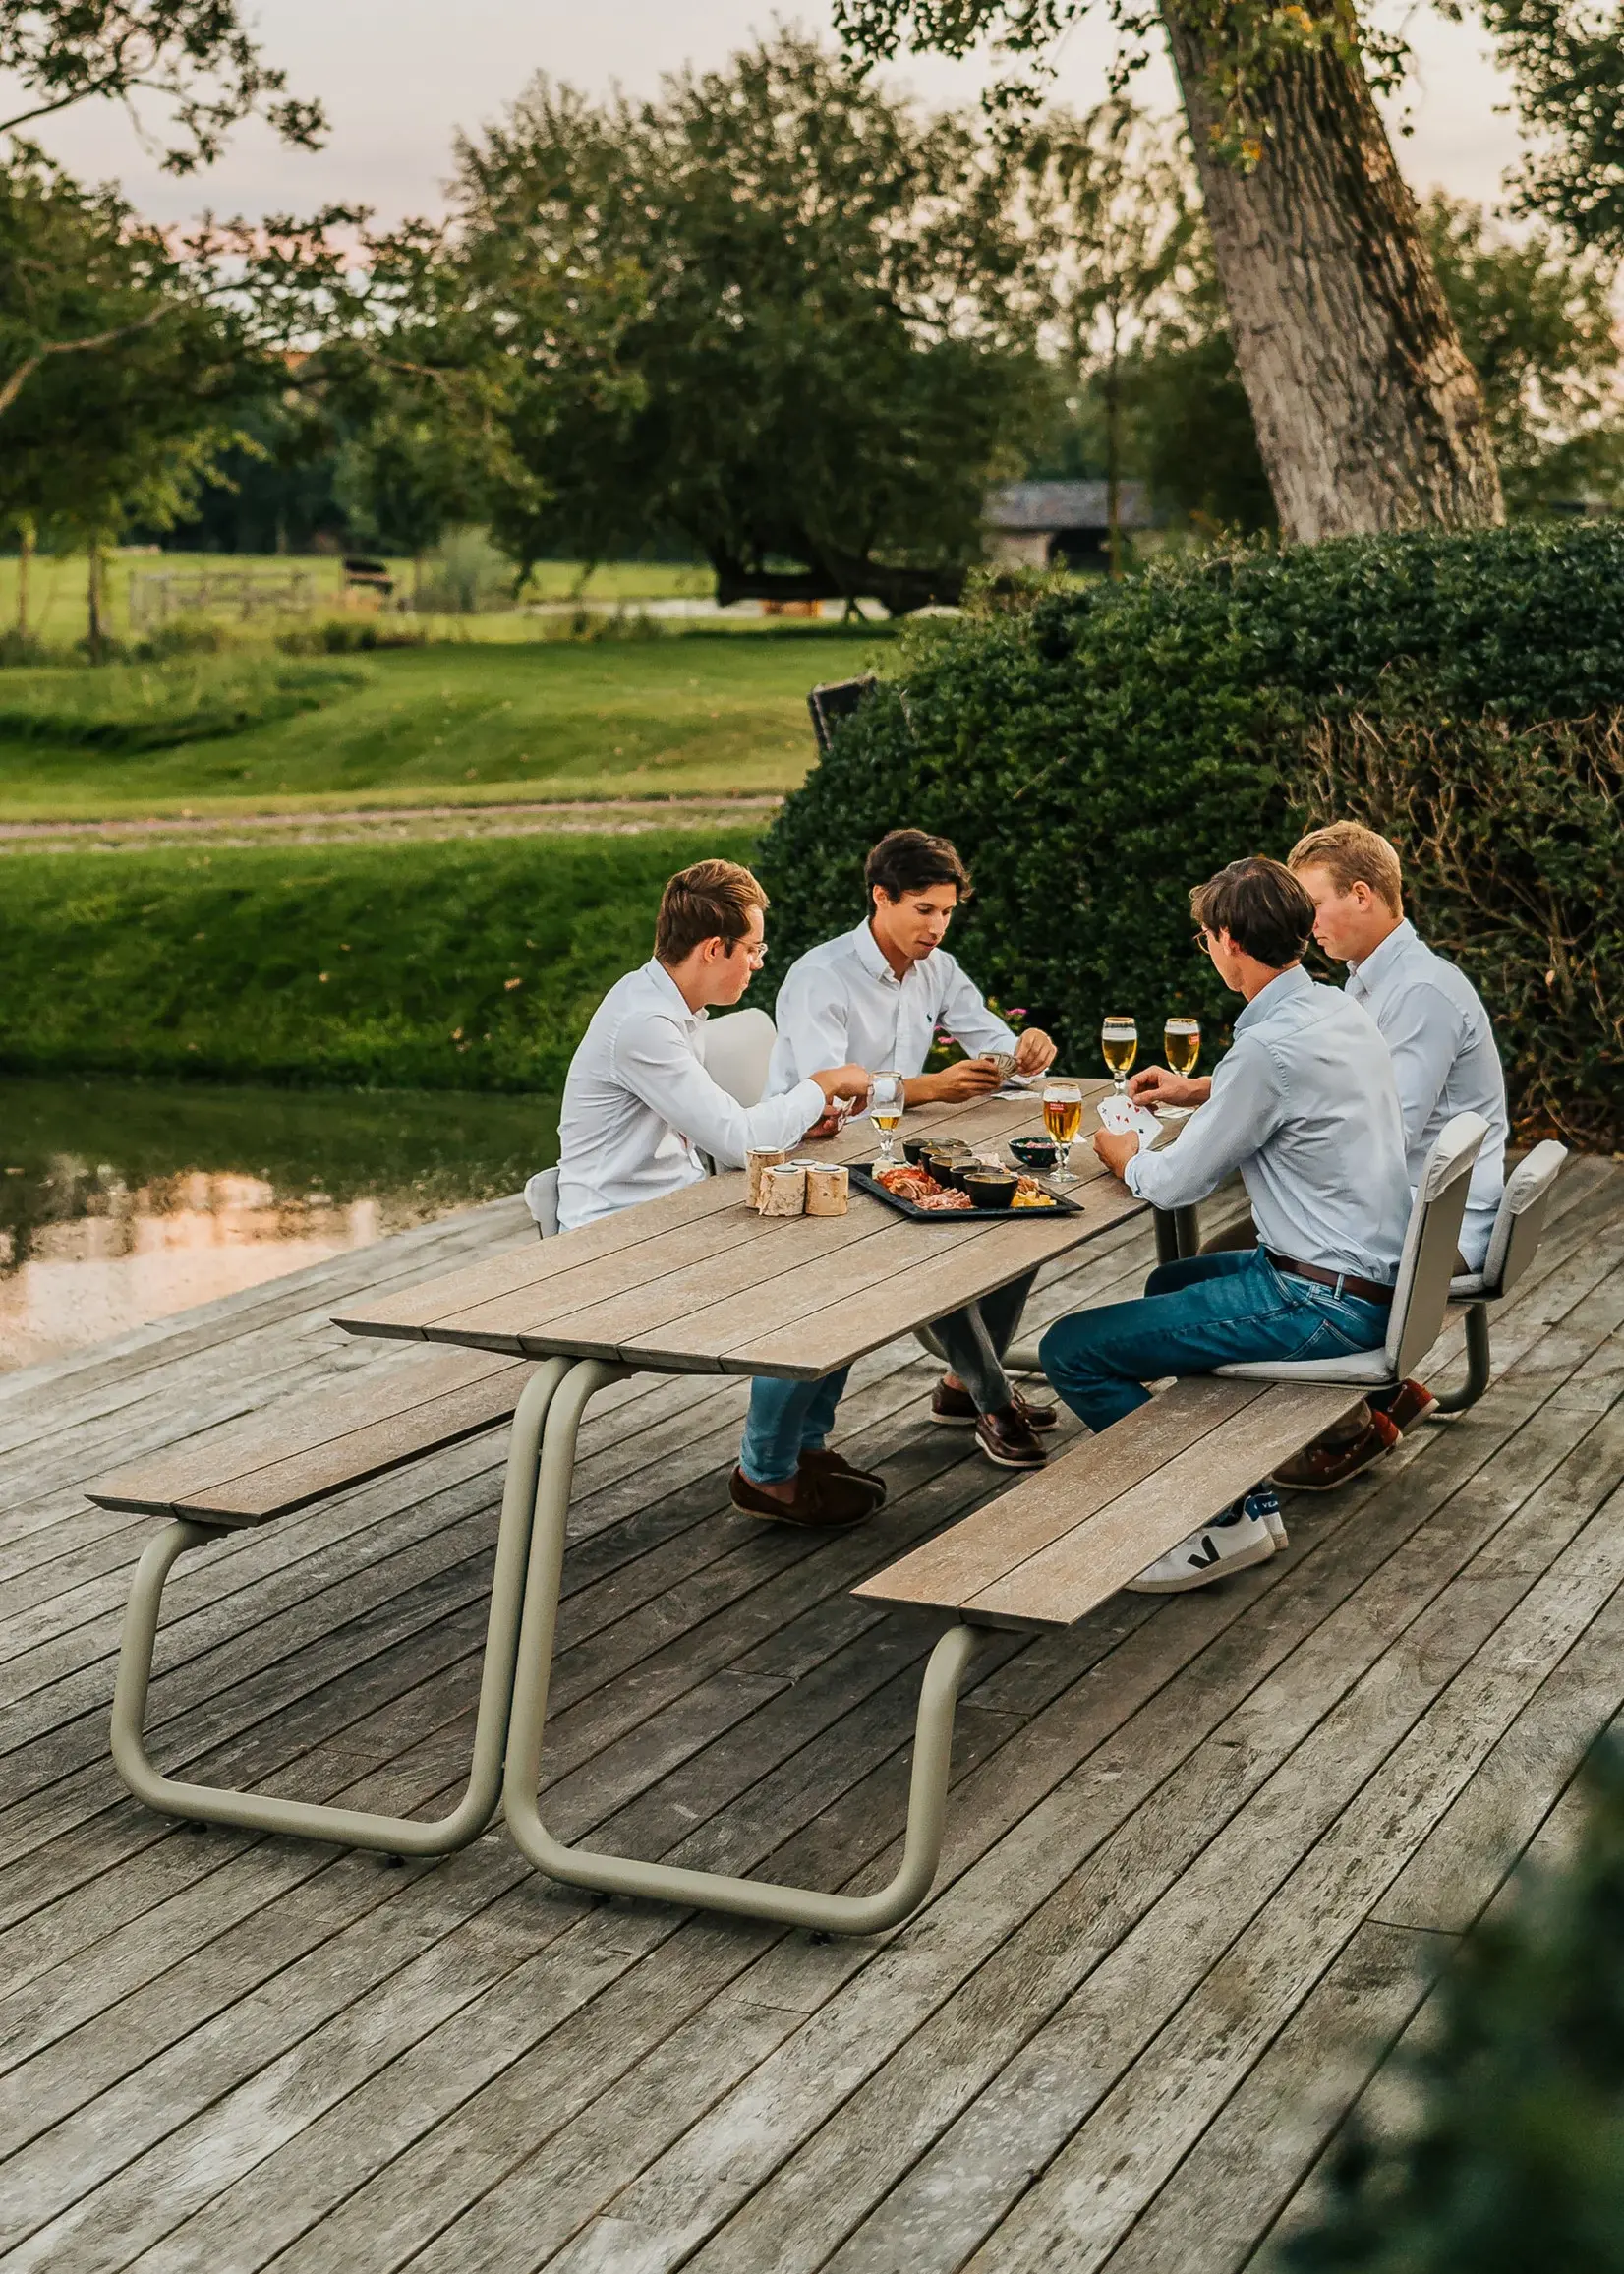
[(1369, 415)]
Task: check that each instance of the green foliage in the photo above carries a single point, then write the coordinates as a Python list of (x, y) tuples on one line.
[(1539, 326), (825, 350), (463, 965), (199, 57), (1514, 2157), (1095, 753)]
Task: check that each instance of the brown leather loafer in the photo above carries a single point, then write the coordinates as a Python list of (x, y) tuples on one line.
[(955, 1408), (824, 1462), (821, 1502), (1007, 1438), (1404, 1406), (1325, 1465)]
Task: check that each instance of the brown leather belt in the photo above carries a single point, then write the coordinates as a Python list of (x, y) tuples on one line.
[(1345, 1282)]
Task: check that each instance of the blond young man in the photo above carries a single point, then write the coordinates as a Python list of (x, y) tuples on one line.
[(638, 1110)]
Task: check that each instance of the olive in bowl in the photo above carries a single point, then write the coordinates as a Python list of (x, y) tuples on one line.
[(988, 1187), (1036, 1155)]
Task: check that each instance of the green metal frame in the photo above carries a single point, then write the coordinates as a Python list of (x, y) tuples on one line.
[(794, 1907), (310, 1820)]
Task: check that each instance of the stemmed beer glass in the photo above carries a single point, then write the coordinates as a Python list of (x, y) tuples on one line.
[(1120, 1041), (885, 1111), (1063, 1119)]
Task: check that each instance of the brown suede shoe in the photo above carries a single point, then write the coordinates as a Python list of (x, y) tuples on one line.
[(821, 1502), (824, 1462), (1404, 1406), (1007, 1438), (955, 1408), (1325, 1465)]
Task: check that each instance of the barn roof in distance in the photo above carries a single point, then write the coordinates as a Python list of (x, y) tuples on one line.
[(1056, 505)]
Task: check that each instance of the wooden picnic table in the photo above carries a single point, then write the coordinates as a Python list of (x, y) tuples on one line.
[(699, 1283)]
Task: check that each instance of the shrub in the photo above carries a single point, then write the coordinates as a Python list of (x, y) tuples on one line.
[(345, 635), (1514, 2157), (1095, 752)]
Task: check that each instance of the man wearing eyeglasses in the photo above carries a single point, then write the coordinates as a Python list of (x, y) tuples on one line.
[(1305, 1108), (638, 1110)]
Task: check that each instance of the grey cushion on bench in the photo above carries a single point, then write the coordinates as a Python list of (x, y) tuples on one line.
[(1518, 1225), (1420, 1291)]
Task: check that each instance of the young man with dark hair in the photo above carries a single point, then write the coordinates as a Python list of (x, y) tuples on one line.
[(878, 994), (638, 1110), (1305, 1107)]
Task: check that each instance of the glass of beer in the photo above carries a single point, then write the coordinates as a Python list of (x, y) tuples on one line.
[(1063, 1119), (1120, 1041), (885, 1111), (1181, 1042)]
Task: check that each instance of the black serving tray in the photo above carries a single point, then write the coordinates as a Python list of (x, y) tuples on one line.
[(866, 1182)]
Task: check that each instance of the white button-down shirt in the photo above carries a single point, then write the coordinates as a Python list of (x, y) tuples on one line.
[(1305, 1107), (639, 1106), (1432, 1019), (844, 1000)]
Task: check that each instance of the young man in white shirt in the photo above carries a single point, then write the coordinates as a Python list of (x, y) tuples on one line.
[(638, 1110), (1305, 1107), (1444, 1060), (878, 994)]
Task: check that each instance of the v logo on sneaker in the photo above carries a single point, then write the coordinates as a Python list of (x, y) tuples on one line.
[(1199, 1558)]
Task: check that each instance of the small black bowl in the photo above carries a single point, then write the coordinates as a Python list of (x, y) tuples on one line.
[(945, 1169), (918, 1149), (989, 1188), (1037, 1155)]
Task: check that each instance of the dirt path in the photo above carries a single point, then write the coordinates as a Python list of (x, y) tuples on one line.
[(363, 825)]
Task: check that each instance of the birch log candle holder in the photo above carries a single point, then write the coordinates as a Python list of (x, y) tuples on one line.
[(826, 1191), (783, 1190), (756, 1166)]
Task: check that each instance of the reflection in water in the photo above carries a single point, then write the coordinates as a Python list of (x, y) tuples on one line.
[(121, 1203)]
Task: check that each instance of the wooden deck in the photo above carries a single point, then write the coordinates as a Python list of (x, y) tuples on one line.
[(1203, 1853)]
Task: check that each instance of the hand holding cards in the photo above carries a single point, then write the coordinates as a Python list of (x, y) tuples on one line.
[(1121, 1117)]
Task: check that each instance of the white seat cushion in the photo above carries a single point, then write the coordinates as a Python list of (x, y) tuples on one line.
[(1360, 1369)]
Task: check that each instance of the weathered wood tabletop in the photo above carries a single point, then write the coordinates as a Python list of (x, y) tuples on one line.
[(699, 1283)]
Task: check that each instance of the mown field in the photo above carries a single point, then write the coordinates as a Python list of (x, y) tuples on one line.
[(708, 714), (443, 965), (56, 586)]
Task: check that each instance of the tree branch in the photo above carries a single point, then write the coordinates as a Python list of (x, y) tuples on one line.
[(12, 388)]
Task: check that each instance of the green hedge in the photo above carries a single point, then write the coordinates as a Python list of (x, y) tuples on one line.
[(1094, 753)]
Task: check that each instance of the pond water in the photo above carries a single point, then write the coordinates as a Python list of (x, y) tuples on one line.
[(122, 1202)]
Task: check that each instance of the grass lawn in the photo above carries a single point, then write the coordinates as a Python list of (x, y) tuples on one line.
[(694, 713), (56, 589), (442, 966)]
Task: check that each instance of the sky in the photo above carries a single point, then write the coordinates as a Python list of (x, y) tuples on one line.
[(400, 77)]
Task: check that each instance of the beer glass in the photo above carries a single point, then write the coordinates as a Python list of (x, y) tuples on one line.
[(1120, 1041), (885, 1111), (1182, 1043), (1063, 1119)]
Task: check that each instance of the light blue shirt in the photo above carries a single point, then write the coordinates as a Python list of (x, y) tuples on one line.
[(1305, 1107), (639, 1107), (844, 1000), (1444, 1060)]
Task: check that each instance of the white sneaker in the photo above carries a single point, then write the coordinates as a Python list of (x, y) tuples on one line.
[(1233, 1543), (1263, 1502)]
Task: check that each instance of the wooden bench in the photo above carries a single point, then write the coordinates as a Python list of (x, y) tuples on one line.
[(1058, 1543), (249, 1471)]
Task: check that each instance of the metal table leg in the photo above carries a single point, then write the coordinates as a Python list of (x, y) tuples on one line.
[(665, 1882), (311, 1820), (1478, 1364)]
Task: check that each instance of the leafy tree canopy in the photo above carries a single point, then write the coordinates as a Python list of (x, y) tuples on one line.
[(198, 59), (813, 313)]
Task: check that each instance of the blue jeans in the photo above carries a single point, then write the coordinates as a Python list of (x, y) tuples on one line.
[(1204, 1311), (786, 1420)]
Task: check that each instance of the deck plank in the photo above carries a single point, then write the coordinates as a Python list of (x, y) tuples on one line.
[(227, 2050)]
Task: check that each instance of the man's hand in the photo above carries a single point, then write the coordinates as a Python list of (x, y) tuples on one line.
[(852, 1081), (1155, 1086), (1034, 1052), (1115, 1151), (969, 1078)]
